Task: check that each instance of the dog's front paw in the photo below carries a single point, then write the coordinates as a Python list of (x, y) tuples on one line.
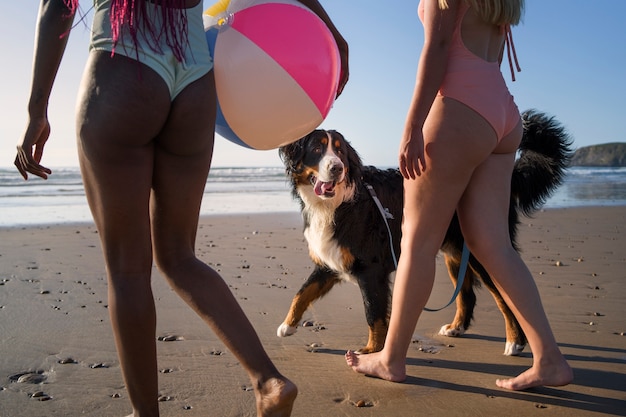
[(285, 330), (513, 349), (448, 330)]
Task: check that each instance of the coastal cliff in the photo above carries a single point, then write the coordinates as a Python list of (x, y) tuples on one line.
[(604, 155)]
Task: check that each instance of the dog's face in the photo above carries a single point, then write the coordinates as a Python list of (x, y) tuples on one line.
[(322, 161)]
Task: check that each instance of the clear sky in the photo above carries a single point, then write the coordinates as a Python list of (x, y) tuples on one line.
[(572, 54)]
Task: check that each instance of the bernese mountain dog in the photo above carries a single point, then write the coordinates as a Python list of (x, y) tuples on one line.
[(351, 239)]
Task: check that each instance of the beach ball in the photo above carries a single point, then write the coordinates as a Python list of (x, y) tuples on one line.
[(276, 67)]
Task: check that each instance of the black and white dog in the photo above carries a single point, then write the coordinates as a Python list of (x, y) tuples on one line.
[(348, 238)]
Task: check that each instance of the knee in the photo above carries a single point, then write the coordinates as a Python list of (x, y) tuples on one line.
[(488, 250), (169, 258), (167, 262), (420, 241), (127, 289), (479, 247), (128, 270)]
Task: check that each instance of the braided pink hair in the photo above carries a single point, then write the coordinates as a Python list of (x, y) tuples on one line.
[(131, 15)]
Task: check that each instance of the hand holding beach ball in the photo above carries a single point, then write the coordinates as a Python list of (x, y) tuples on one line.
[(276, 67)]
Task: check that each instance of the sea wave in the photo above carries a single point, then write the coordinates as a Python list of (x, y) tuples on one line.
[(234, 190)]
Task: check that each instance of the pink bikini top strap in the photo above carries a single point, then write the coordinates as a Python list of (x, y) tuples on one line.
[(510, 50)]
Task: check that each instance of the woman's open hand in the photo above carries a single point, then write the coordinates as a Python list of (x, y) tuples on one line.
[(30, 149)]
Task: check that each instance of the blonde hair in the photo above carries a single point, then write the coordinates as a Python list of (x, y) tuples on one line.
[(497, 12)]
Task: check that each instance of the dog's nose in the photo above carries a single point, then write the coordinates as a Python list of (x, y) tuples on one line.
[(336, 169)]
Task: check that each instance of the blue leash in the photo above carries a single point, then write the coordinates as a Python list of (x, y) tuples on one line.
[(464, 255), (459, 279)]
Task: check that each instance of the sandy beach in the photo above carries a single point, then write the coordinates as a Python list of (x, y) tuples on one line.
[(57, 356)]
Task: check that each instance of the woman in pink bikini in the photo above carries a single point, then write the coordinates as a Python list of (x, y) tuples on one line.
[(457, 153)]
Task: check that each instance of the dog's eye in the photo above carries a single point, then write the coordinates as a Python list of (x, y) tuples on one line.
[(317, 149)]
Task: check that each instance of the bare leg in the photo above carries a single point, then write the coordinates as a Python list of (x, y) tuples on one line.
[(483, 214), (135, 156), (116, 162), (182, 157), (430, 201), (457, 156)]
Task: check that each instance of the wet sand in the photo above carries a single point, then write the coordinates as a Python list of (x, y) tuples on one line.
[(57, 356)]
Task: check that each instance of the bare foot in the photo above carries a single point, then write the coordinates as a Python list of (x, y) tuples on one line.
[(555, 375), (275, 397), (373, 364)]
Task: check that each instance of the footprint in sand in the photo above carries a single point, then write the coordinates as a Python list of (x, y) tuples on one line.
[(170, 338), (40, 396), (98, 365), (359, 403), (29, 377)]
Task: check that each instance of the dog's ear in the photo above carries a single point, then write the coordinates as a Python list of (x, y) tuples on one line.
[(292, 154)]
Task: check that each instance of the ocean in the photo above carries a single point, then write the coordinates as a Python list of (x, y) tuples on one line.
[(61, 198)]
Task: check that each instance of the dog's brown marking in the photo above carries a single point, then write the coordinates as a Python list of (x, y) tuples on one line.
[(324, 140), (460, 321), (347, 257), (304, 298), (315, 258), (513, 336), (377, 334), (303, 178)]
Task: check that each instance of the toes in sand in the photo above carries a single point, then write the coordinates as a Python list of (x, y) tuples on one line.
[(554, 376), (372, 364)]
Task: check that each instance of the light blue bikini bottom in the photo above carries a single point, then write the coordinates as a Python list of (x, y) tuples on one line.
[(177, 75)]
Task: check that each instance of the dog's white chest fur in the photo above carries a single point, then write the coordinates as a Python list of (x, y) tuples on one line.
[(322, 245)]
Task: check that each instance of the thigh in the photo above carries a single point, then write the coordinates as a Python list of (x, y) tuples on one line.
[(116, 130), (484, 208), (457, 140), (183, 152)]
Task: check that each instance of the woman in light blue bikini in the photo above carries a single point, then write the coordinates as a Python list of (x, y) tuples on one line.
[(145, 123)]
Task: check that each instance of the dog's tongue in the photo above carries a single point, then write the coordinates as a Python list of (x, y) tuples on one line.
[(322, 188)]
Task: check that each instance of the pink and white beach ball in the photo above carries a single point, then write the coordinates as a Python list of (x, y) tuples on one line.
[(277, 70)]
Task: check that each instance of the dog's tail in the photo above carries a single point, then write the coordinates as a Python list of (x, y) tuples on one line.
[(545, 153)]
